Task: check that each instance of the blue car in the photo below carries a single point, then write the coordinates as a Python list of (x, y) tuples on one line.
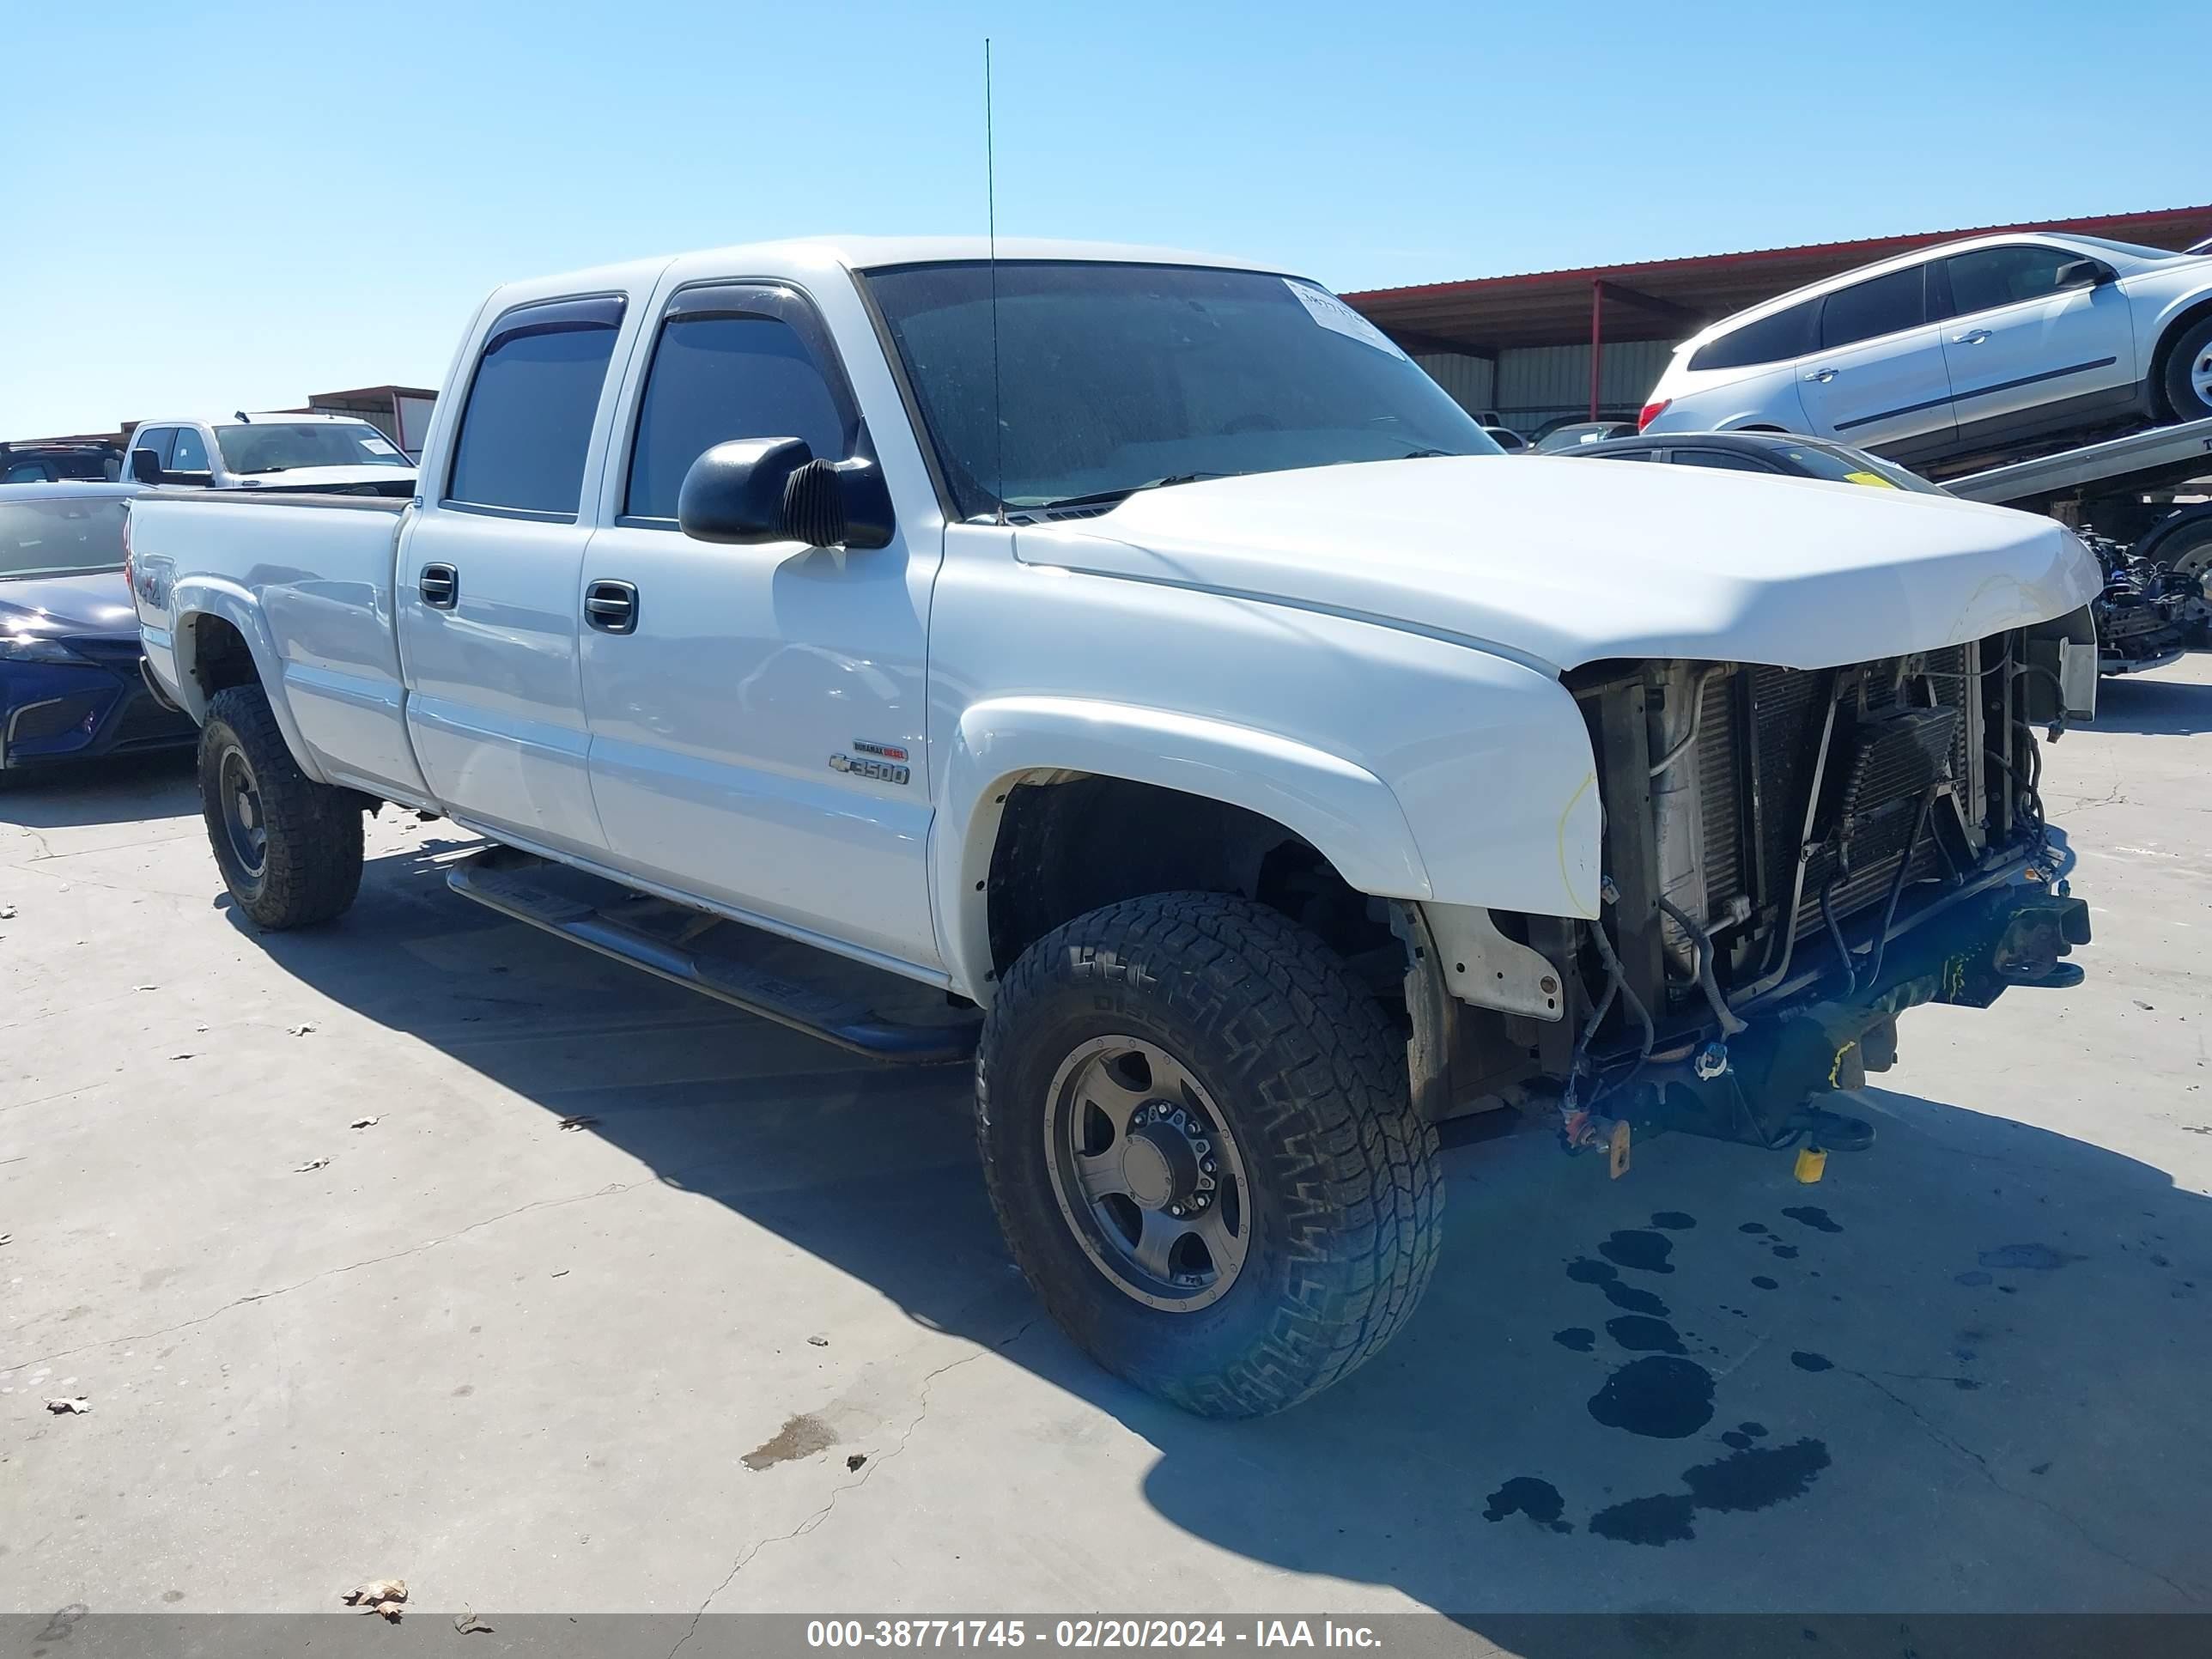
[(70, 687)]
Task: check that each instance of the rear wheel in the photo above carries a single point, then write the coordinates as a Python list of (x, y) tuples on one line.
[(289, 848), (1198, 1135), (2187, 551), (2189, 373)]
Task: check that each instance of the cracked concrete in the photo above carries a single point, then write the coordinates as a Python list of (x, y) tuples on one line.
[(443, 1357)]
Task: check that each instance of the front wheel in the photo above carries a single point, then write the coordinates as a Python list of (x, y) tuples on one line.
[(1198, 1134), (2189, 373), (289, 848)]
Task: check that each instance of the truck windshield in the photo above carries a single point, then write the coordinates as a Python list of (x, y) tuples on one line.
[(279, 446), (57, 537), (1115, 378)]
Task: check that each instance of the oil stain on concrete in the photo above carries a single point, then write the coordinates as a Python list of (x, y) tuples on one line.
[(1524, 1494), (799, 1436), (1646, 1252), (1607, 1278), (1640, 1334), (1749, 1478), (1660, 1396), (1813, 1216)]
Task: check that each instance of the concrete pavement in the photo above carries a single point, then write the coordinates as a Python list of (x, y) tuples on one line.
[(743, 1334)]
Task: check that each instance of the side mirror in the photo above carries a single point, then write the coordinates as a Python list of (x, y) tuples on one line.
[(2086, 273), (751, 490), (145, 466)]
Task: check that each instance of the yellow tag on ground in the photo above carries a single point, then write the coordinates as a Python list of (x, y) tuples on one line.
[(1811, 1164)]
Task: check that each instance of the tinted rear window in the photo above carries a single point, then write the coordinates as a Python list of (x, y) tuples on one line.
[(1866, 310), (1769, 340), (528, 422)]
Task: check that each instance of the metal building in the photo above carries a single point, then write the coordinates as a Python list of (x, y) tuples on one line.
[(1549, 346)]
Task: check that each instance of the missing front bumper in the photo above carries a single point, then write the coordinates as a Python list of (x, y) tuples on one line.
[(2015, 936)]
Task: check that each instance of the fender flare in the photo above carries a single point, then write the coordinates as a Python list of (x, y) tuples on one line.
[(194, 597), (1348, 815)]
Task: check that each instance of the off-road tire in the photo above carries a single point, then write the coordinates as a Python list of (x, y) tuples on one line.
[(311, 867), (1346, 1199), (2189, 350)]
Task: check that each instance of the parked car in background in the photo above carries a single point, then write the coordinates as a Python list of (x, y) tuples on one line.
[(1764, 451), (335, 454), (2143, 616), (1958, 349), (48, 463), (1575, 434), (1506, 439), (70, 682)]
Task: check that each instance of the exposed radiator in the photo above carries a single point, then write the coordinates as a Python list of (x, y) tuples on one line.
[(1758, 738)]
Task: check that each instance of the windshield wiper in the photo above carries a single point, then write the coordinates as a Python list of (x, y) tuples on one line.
[(1105, 496), (254, 472)]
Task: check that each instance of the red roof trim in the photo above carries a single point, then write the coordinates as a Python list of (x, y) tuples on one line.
[(1871, 246)]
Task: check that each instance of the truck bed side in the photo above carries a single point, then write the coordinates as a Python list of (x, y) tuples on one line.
[(302, 584)]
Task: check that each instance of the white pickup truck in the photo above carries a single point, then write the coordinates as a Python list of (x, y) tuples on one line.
[(1190, 711)]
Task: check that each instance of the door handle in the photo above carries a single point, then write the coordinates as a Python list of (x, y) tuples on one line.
[(611, 607), (1823, 375), (1973, 337), (439, 585)]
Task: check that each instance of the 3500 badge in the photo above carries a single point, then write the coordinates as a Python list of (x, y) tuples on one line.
[(884, 762)]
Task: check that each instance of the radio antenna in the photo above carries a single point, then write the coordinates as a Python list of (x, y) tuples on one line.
[(991, 213)]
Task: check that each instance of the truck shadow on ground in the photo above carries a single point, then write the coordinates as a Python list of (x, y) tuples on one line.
[(1962, 1373), (122, 789), (2153, 704)]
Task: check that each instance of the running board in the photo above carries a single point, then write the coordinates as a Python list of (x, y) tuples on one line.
[(709, 953)]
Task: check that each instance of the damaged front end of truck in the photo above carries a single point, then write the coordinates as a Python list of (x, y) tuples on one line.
[(1792, 858)]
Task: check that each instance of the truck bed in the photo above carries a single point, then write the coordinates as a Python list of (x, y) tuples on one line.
[(319, 570)]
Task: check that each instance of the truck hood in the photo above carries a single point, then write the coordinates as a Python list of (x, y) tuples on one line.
[(379, 480), (1558, 561)]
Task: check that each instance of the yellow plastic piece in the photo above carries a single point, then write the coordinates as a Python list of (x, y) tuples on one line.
[(1617, 1150), (1873, 480), (1811, 1164)]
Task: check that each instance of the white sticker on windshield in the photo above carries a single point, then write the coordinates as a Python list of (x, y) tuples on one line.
[(1332, 313), (378, 446)]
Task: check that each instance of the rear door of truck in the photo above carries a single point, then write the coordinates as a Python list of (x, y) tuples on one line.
[(490, 579)]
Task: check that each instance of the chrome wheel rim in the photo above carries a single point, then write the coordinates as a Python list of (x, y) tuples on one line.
[(244, 826), (1146, 1174), (2194, 560), (2200, 377)]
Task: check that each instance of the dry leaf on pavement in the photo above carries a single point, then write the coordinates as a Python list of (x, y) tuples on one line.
[(363, 1123), (312, 1166), (75, 1404), (300, 1030), (469, 1625), (579, 1121), (380, 1595)]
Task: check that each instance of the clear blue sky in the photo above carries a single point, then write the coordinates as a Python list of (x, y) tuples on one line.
[(247, 202)]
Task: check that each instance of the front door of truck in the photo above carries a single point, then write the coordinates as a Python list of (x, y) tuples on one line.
[(756, 714), (488, 577)]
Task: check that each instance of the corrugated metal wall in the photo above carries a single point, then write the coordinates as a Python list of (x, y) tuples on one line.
[(1535, 384), (1468, 379), (1531, 384)]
